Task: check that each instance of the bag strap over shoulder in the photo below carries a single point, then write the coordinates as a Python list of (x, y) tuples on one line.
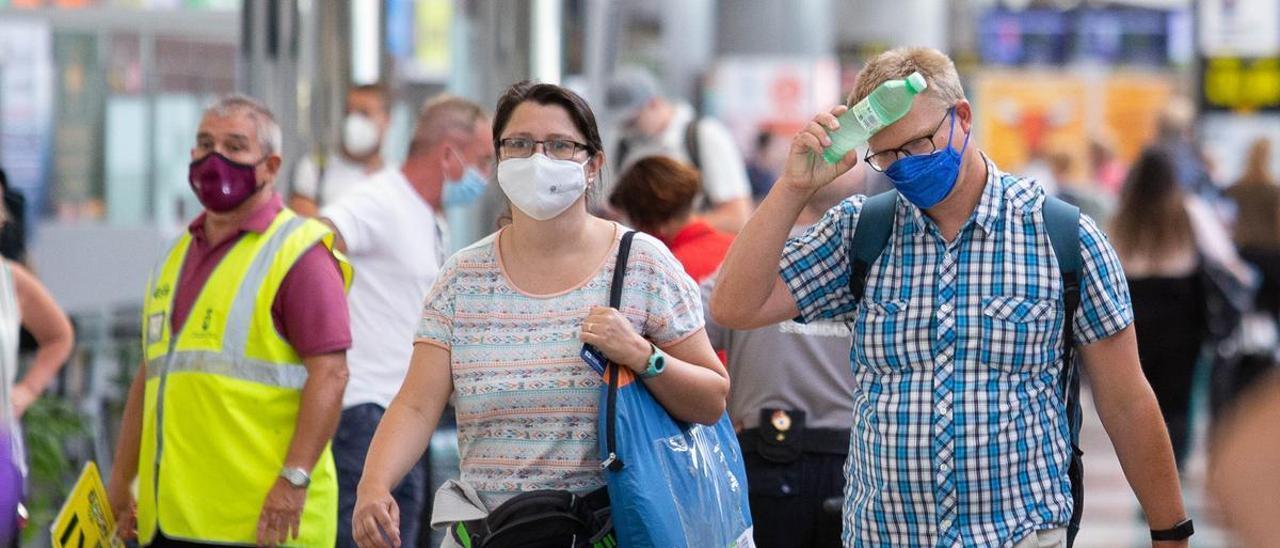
[(615, 301), (691, 145), (870, 236), (620, 269), (1063, 223)]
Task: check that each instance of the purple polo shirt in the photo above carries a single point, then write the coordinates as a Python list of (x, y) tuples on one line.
[(310, 310)]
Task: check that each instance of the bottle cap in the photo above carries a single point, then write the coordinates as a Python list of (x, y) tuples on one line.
[(916, 82)]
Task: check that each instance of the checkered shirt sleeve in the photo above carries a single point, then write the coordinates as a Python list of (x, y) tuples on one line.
[(815, 265), (1105, 307)]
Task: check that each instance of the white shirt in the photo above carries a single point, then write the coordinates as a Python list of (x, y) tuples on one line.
[(724, 171), (328, 184), (394, 242)]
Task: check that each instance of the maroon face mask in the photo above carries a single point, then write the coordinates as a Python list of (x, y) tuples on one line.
[(221, 184)]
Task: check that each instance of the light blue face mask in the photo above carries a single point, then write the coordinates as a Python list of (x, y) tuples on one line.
[(927, 179), (465, 190)]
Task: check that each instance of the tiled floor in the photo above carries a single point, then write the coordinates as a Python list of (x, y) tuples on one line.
[(1112, 517)]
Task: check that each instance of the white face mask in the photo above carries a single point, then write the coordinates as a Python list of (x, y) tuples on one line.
[(359, 135), (542, 187)]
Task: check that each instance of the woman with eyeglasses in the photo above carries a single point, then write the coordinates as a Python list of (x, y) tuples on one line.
[(503, 330)]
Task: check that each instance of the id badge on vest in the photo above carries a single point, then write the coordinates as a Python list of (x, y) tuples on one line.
[(155, 326)]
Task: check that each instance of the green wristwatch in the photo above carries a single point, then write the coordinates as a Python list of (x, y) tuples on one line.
[(657, 363)]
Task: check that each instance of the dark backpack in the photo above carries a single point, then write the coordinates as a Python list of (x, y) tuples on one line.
[(690, 147), (1062, 220)]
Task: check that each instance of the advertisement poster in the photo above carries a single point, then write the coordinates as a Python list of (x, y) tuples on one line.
[(1020, 114), (773, 94), (1131, 106)]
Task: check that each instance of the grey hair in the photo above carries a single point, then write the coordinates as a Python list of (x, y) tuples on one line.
[(443, 116), (270, 138)]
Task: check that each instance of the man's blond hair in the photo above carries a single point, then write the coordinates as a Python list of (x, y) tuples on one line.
[(938, 71)]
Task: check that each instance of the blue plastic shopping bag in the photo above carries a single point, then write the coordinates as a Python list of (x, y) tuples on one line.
[(671, 484)]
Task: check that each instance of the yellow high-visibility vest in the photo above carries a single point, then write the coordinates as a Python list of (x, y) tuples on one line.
[(223, 394)]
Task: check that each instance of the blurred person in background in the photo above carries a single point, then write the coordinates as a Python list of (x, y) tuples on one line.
[(1039, 167), (961, 435), (1175, 136), (318, 182), (502, 333), (25, 303), (391, 228), (1166, 238), (791, 402), (657, 195), (245, 330), (762, 168), (1243, 477), (13, 233), (653, 125), (1077, 191), (1105, 168), (1257, 235)]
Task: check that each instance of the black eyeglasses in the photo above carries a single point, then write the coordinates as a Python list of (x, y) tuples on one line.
[(881, 161), (520, 147)]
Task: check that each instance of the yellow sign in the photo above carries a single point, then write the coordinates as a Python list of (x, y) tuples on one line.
[(1243, 84), (85, 519)]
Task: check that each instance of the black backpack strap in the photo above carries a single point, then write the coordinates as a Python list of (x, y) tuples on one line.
[(613, 462), (694, 150), (870, 236), (1063, 223), (691, 143), (620, 156)]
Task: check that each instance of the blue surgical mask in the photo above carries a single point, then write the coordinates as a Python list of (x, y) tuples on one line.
[(927, 179), (465, 190)]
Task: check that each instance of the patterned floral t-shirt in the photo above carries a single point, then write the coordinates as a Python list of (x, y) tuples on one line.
[(526, 402)]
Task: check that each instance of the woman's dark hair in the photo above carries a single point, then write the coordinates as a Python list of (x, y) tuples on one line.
[(655, 190), (1151, 219), (548, 94)]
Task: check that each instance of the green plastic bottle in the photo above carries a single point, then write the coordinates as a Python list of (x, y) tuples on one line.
[(887, 103)]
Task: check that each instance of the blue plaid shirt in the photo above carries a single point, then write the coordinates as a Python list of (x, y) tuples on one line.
[(960, 434)]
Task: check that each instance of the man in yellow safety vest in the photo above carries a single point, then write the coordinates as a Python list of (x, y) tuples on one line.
[(245, 332)]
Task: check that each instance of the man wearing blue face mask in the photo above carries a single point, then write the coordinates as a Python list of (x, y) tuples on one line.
[(961, 435), (392, 228)]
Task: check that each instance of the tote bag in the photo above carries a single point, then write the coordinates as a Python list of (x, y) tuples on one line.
[(671, 483)]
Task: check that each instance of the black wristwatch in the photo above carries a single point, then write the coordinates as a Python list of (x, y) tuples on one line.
[(1181, 531)]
